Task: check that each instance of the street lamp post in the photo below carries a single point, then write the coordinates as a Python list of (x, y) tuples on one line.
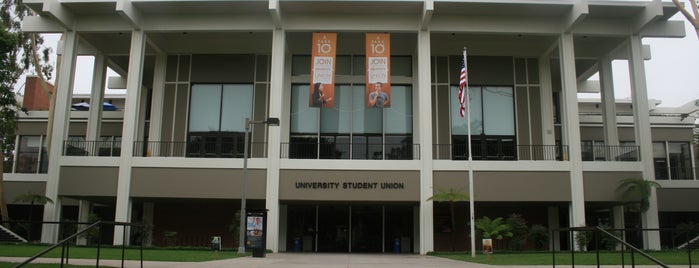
[(243, 190)]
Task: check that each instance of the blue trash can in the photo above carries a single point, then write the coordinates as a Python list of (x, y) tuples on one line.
[(297, 244), (396, 245)]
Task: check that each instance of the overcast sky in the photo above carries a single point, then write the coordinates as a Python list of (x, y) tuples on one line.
[(672, 74)]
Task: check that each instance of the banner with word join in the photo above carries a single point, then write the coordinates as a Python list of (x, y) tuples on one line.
[(323, 70), (378, 70)]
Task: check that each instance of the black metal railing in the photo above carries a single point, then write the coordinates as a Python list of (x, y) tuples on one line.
[(625, 242), (366, 151), (91, 229), (199, 149), (91, 148), (500, 152), (623, 153)]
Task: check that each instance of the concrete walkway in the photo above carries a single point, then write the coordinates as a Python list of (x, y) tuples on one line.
[(298, 260)]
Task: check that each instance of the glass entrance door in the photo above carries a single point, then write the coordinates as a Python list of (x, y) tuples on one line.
[(333, 228), (367, 228), (361, 228)]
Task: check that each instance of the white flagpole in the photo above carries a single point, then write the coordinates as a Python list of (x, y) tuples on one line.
[(470, 165)]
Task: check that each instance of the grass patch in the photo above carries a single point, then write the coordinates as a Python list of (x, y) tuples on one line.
[(565, 258), (41, 265), (114, 253)]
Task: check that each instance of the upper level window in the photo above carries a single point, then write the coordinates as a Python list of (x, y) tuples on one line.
[(31, 155), (217, 119), (672, 160), (492, 123), (350, 130)]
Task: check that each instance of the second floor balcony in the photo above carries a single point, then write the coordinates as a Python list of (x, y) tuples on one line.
[(497, 151)]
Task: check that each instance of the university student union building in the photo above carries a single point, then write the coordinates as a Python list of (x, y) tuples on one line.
[(343, 175)]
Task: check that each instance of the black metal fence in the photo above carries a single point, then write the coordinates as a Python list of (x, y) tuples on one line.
[(91, 148), (625, 242), (91, 233), (370, 151), (623, 153), (500, 152), (201, 149)]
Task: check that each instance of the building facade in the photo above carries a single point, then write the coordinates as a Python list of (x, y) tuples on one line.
[(349, 178)]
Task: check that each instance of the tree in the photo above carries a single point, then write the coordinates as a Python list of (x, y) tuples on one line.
[(32, 198), (8, 104), (520, 230), (452, 196), (693, 19), (19, 55)]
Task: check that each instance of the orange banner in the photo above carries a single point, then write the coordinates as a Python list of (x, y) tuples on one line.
[(323, 70), (378, 70)]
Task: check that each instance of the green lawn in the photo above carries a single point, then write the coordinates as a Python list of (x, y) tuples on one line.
[(563, 258), (40, 265), (114, 253)]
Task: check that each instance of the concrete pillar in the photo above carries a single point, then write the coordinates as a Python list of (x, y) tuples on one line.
[(641, 114), (609, 123), (571, 128), (129, 132), (148, 216), (547, 125), (618, 221), (156, 110), (64, 92), (84, 210), (553, 224), (94, 120), (276, 103), (423, 94)]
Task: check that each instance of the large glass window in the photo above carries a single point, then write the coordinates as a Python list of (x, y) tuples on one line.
[(672, 160), (680, 160), (217, 119), (492, 124), (660, 161), (31, 155), (350, 130)]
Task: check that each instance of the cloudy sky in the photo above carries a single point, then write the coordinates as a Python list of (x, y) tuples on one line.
[(672, 74)]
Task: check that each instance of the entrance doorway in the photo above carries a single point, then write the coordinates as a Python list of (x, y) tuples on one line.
[(350, 228)]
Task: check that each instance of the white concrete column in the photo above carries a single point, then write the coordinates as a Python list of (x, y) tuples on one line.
[(156, 108), (553, 224), (141, 123), (641, 116), (84, 210), (618, 221), (423, 94), (546, 97), (609, 123), (276, 103), (94, 120), (64, 91), (129, 131), (571, 128), (148, 216)]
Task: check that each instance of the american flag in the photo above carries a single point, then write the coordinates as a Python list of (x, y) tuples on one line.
[(463, 86)]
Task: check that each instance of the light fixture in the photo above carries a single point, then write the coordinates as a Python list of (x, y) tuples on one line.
[(272, 121)]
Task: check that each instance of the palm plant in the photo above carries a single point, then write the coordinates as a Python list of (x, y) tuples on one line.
[(495, 229), (452, 196), (635, 193)]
